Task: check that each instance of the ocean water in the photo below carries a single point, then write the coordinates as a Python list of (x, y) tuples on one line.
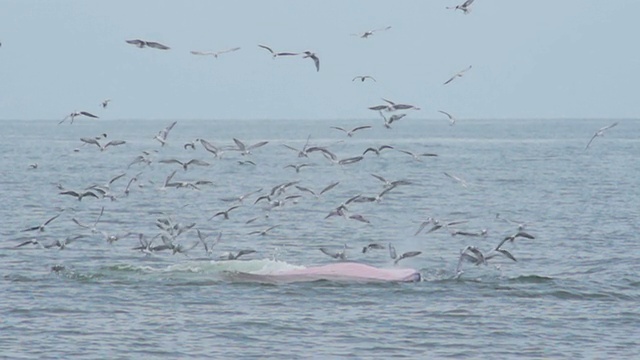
[(574, 291)]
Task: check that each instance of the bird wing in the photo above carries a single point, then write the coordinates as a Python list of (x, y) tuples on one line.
[(239, 144), (157, 45), (446, 113), (591, 140), (450, 80), (115, 143), (91, 141), (361, 128), (338, 128), (88, 114), (379, 178), (202, 52), (257, 145), (392, 251), (329, 187), (136, 42), (266, 47), (329, 253)]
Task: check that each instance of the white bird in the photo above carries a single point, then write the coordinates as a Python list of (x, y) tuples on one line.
[(93, 141), (457, 75), (142, 43), (464, 7), (312, 55), (341, 255), (162, 134), (231, 256), (362, 78), (75, 114), (214, 53), (276, 54), (452, 120), (417, 156), (41, 227), (366, 34), (245, 150), (185, 165), (458, 179), (105, 103), (600, 132), (79, 195), (225, 213), (263, 232), (408, 254), (350, 132), (208, 248)]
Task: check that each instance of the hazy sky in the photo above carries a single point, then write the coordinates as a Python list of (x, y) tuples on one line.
[(531, 59)]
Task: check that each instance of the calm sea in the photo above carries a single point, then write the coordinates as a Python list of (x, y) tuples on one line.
[(574, 291)]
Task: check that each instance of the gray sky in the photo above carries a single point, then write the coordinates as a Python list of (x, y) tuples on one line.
[(531, 59)]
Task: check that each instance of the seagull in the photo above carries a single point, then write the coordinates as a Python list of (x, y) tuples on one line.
[(89, 227), (312, 55), (75, 114), (464, 6), (102, 147), (208, 249), (245, 150), (366, 34), (452, 120), (225, 213), (341, 255), (63, 244), (105, 103), (377, 150), (297, 167), (460, 180), (600, 132), (362, 78), (33, 166), (350, 132), (514, 236), (372, 246), (231, 256), (142, 43), (437, 224), (162, 134), (41, 227), (388, 183), (216, 151), (393, 106), (276, 54), (459, 74), (303, 152), (185, 165), (241, 197), (391, 119), (408, 254), (216, 53), (263, 232), (79, 195), (416, 156)]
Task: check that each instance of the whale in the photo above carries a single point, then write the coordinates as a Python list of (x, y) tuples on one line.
[(343, 272)]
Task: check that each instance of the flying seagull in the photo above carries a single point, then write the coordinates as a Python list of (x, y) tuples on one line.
[(452, 120), (368, 33), (75, 114), (600, 132), (105, 103), (142, 43), (459, 74), (214, 53), (350, 132), (464, 7), (276, 54), (362, 78)]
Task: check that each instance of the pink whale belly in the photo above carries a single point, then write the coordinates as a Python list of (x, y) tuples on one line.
[(346, 271)]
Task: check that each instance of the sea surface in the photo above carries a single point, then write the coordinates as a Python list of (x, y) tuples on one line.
[(574, 291)]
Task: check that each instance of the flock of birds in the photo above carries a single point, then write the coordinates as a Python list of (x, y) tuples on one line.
[(171, 233)]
